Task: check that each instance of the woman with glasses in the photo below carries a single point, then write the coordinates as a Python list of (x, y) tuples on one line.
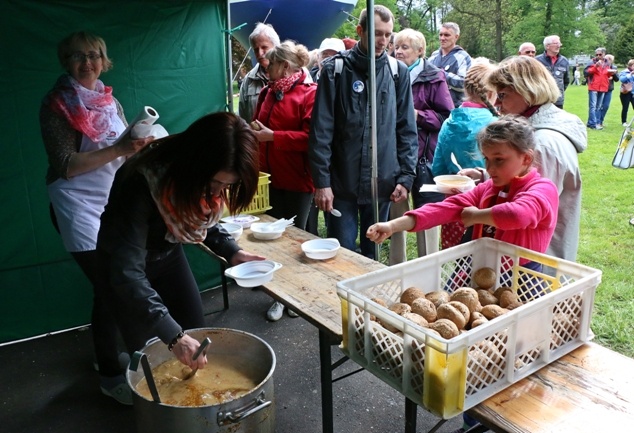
[(81, 122), (525, 88), (173, 192), (283, 114)]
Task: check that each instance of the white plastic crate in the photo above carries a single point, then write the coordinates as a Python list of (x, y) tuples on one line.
[(448, 377)]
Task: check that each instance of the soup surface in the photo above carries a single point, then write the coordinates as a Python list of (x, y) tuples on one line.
[(455, 182), (223, 379)]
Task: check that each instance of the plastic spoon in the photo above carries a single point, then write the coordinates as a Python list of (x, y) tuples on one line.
[(455, 161), (335, 212)]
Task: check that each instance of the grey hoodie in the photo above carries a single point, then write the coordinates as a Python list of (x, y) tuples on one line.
[(560, 137)]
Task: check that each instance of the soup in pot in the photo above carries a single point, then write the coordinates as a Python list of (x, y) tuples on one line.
[(223, 379)]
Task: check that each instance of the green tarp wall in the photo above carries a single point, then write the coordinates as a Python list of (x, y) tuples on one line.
[(167, 54)]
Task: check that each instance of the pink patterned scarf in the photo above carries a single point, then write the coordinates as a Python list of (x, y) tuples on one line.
[(187, 229), (91, 112)]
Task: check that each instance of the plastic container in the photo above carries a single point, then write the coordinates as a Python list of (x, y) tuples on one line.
[(260, 202), (263, 232), (321, 249), (448, 377), (254, 273), (453, 183)]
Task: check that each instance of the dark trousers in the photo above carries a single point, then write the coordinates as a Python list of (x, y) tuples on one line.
[(627, 99), (104, 328), (287, 204)]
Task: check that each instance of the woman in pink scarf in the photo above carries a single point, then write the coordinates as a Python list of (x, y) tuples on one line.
[(80, 122)]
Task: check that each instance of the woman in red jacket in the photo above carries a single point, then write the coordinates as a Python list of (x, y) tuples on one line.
[(599, 74), (282, 124)]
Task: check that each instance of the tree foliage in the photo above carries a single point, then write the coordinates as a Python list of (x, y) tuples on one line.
[(496, 28)]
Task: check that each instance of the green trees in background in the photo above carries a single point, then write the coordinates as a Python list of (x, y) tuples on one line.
[(496, 28)]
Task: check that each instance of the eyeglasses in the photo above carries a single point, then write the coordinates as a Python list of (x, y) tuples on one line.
[(81, 57), (529, 52), (599, 54), (217, 185), (557, 44)]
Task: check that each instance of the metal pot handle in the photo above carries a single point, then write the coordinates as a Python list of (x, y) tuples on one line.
[(237, 415)]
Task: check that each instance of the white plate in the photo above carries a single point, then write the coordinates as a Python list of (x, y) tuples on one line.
[(260, 231), (243, 219), (234, 229), (454, 184), (253, 274), (321, 249)]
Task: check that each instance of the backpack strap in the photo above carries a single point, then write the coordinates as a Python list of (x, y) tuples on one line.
[(338, 65), (391, 60), (393, 66)]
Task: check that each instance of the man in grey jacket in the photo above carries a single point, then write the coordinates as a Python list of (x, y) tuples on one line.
[(262, 39), (340, 146), (556, 64)]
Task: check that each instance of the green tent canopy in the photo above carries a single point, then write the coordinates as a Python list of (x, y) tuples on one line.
[(169, 55)]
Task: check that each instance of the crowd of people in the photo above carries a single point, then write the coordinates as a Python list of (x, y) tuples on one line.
[(303, 117)]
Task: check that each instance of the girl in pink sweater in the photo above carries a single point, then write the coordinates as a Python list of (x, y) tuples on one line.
[(515, 204)]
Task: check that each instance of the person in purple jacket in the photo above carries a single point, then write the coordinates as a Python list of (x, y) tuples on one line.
[(432, 104), (515, 205)]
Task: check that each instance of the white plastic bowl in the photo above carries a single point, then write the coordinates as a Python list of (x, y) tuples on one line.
[(243, 219), (454, 184), (253, 274), (261, 231), (235, 230), (321, 249)]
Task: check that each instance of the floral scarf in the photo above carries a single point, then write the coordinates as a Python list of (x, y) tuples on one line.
[(186, 229), (91, 112)]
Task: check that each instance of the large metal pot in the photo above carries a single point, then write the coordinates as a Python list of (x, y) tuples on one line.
[(253, 412)]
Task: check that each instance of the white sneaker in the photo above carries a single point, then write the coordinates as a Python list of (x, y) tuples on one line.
[(275, 312), (625, 124)]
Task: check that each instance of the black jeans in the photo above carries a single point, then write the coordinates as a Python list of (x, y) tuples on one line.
[(626, 100)]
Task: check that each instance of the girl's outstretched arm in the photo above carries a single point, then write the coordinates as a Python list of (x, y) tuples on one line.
[(379, 232)]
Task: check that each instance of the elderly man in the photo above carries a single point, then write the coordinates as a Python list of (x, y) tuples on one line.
[(453, 60), (527, 49), (262, 39), (339, 146), (556, 64)]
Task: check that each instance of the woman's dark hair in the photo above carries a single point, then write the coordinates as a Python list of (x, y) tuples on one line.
[(215, 142)]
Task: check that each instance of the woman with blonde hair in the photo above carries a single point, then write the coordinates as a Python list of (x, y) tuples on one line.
[(283, 114), (525, 87), (458, 135)]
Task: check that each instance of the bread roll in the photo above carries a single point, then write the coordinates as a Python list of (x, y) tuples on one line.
[(411, 294)]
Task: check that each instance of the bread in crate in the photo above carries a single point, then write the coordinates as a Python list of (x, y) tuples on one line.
[(544, 317)]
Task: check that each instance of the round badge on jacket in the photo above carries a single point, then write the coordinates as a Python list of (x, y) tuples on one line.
[(358, 86)]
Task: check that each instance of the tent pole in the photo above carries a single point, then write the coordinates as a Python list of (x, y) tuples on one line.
[(372, 109), (229, 60)]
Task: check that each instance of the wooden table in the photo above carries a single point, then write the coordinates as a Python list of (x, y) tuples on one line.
[(589, 390), (309, 287)]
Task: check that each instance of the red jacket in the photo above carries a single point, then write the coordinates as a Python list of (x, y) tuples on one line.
[(286, 157), (598, 77)]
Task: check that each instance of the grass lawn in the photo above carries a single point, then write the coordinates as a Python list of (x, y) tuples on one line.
[(606, 238)]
